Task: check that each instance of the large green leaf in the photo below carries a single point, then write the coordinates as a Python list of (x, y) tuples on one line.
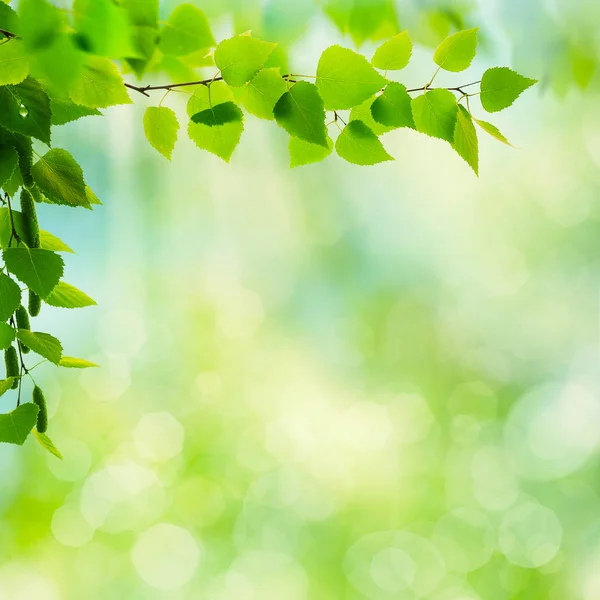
[(100, 85), (7, 336), (345, 78), (38, 269), (60, 178), (221, 140), (10, 297), (301, 113), (186, 31), (65, 295), (394, 107), (14, 66), (161, 127), (219, 114), (501, 86), (465, 139), (435, 114), (263, 91), (394, 54), (305, 153), (43, 344), (17, 425), (25, 109), (241, 57), (456, 52), (360, 146)]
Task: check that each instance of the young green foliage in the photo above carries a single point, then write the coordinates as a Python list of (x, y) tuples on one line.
[(394, 107), (7, 336), (435, 114), (65, 295), (161, 127), (465, 139), (456, 52), (241, 57), (16, 426), (10, 297), (220, 114), (360, 146), (38, 269), (186, 31), (394, 54), (501, 86), (41, 343), (263, 91)]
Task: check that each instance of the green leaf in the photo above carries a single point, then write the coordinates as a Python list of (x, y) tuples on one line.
[(262, 93), (221, 140), (65, 111), (203, 99), (394, 107), (10, 297), (435, 114), (493, 131), (241, 57), (219, 114), (161, 127), (465, 139), (186, 31), (456, 52), (43, 344), (9, 21), (362, 112), (7, 336), (5, 385), (104, 26), (301, 113), (9, 159), (40, 23), (49, 241), (91, 197), (65, 295), (394, 54), (25, 108), (501, 86), (100, 85), (305, 153), (14, 66), (60, 178), (70, 362), (40, 270), (17, 425), (142, 13), (47, 444), (58, 64), (345, 79), (360, 146)]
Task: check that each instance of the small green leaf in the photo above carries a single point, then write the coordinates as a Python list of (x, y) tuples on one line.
[(394, 107), (47, 444), (465, 139), (493, 131), (305, 153), (435, 114), (161, 127), (456, 52), (100, 85), (14, 66), (186, 31), (301, 113), (9, 159), (70, 362), (43, 344), (394, 54), (221, 140), (60, 178), (65, 295), (40, 270), (10, 297), (5, 385), (49, 241), (17, 425), (25, 109), (241, 57), (501, 86), (7, 336), (219, 114), (360, 146), (262, 93), (345, 78)]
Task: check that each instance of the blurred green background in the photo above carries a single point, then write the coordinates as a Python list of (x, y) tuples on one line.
[(333, 382)]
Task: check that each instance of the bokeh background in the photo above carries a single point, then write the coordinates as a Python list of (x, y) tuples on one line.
[(333, 382)]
